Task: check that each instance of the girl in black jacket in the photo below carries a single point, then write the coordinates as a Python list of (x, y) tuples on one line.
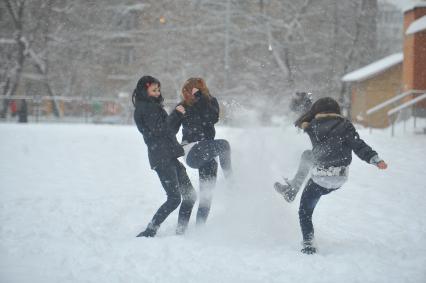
[(163, 150), (197, 114), (333, 139)]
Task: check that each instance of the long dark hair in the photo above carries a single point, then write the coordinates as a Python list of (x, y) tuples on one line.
[(140, 91)]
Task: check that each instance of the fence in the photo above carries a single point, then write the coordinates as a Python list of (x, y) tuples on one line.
[(66, 109), (90, 109)]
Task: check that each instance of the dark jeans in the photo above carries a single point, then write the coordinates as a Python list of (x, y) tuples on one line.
[(202, 157), (310, 197), (177, 185)]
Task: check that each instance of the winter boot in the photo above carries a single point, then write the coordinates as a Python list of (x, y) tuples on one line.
[(286, 190), (150, 231), (308, 248)]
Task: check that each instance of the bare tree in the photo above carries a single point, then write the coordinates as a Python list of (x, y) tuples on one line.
[(258, 50), (12, 75), (30, 22)]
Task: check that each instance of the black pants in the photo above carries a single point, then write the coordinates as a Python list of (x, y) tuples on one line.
[(178, 187), (202, 157), (310, 197)]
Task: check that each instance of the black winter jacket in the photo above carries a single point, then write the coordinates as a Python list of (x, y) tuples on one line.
[(155, 125), (198, 120), (333, 139)]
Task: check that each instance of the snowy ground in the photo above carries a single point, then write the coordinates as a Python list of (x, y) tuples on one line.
[(73, 197)]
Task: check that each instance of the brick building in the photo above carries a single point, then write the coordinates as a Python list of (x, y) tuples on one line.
[(414, 66), (385, 80)]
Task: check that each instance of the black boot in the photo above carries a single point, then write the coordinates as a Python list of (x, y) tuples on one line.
[(149, 232), (286, 190), (308, 248)]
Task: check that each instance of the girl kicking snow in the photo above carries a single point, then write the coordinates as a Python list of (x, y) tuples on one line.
[(333, 139), (197, 114)]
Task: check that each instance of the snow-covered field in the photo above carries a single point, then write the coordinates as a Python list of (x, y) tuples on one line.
[(73, 198)]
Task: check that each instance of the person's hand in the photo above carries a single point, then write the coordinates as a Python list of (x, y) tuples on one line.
[(194, 90), (382, 165), (180, 109), (196, 93)]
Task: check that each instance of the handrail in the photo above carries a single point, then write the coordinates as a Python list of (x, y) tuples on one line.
[(407, 104), (392, 100)]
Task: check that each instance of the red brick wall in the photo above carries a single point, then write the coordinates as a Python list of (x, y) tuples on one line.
[(414, 65)]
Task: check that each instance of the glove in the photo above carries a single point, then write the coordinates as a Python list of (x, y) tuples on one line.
[(198, 94)]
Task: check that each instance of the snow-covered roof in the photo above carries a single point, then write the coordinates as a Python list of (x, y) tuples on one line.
[(410, 7), (417, 25), (373, 68)]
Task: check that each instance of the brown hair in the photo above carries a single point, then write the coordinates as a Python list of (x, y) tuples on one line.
[(188, 98)]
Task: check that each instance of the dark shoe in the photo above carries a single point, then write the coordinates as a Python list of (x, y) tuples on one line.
[(150, 231), (286, 190), (308, 248), (147, 233)]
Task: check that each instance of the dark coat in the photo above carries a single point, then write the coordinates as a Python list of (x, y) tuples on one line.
[(198, 120), (333, 139), (155, 125)]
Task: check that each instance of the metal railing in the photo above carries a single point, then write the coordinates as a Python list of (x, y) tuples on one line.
[(392, 100), (397, 109), (403, 106)]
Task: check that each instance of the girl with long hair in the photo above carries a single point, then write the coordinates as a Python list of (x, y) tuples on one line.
[(163, 150), (198, 113)]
